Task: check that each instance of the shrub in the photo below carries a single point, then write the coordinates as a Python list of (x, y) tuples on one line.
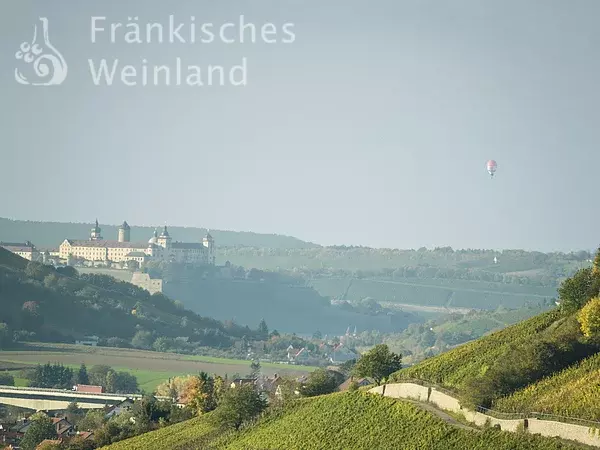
[(589, 317)]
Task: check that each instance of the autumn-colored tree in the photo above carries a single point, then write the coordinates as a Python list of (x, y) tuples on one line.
[(202, 393), (589, 317), (174, 387)]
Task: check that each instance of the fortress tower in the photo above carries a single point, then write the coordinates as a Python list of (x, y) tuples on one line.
[(124, 233)]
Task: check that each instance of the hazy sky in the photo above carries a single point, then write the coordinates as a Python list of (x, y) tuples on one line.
[(372, 128)]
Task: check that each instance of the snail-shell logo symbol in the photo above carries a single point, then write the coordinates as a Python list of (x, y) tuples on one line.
[(44, 63)]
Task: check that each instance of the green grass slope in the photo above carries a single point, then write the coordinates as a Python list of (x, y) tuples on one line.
[(339, 421), (454, 367), (193, 433), (573, 392)]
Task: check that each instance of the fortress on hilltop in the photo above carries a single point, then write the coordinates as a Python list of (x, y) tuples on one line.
[(159, 247)]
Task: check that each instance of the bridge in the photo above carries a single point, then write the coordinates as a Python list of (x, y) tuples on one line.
[(40, 399)]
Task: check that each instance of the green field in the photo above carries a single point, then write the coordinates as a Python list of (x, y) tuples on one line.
[(339, 421), (150, 368)]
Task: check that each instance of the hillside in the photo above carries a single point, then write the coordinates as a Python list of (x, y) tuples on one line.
[(486, 370), (546, 364), (436, 293), (453, 368), (572, 392), (51, 234), (429, 279), (509, 267), (339, 421), (287, 307), (58, 305)]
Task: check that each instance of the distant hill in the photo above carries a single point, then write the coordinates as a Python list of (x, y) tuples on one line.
[(442, 277), (58, 305), (339, 421), (286, 307), (51, 234)]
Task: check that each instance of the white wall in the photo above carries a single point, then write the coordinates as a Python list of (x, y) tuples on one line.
[(446, 402)]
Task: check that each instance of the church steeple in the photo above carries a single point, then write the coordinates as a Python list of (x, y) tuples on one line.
[(96, 233)]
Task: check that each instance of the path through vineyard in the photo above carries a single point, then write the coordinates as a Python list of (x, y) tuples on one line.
[(441, 414)]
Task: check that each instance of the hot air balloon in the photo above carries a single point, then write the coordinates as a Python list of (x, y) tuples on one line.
[(491, 167)]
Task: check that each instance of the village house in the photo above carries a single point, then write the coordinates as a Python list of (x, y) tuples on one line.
[(119, 408), (360, 382), (297, 356), (242, 381), (341, 354)]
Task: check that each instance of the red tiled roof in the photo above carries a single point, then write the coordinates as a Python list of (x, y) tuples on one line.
[(86, 434)]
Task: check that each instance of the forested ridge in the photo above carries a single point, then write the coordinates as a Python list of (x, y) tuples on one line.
[(51, 234), (59, 305)]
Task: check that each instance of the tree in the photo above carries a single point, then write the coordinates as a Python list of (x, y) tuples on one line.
[(239, 405), (378, 363), (574, 292), (41, 428), (254, 369), (142, 339), (93, 420), (112, 381), (54, 376), (347, 367), (319, 382), (36, 270), (263, 329), (68, 271), (31, 319), (121, 383), (162, 344), (589, 317), (201, 394), (274, 333), (317, 335), (74, 413), (6, 379), (97, 374), (82, 375), (6, 338), (174, 387)]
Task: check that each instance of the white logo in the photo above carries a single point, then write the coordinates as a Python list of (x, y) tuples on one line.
[(49, 66)]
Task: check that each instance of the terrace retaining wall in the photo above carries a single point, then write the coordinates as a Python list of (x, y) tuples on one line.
[(548, 428)]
